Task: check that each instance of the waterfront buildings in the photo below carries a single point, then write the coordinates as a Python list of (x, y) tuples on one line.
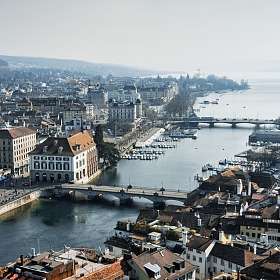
[(64, 159), (272, 136), (15, 145)]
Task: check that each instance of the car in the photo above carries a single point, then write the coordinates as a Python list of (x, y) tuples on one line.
[(155, 193), (122, 191), (129, 187)]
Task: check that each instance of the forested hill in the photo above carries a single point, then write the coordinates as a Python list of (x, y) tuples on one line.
[(76, 66)]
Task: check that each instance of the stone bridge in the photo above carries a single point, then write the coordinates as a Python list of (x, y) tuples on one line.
[(121, 194)]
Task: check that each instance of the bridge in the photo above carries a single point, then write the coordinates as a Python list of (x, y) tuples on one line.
[(120, 195), (212, 121)]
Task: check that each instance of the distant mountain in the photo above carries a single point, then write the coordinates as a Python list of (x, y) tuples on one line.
[(3, 63), (76, 65)]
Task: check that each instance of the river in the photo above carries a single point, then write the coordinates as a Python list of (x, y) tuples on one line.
[(58, 223)]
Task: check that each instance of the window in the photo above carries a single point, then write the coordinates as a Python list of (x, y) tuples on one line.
[(222, 263), (66, 159), (200, 259), (214, 259), (50, 158), (253, 234), (36, 165), (188, 256), (58, 166), (230, 265), (214, 269), (66, 166), (43, 165), (51, 165), (194, 258)]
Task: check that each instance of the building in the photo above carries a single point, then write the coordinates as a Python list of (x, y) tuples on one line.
[(198, 249), (272, 136), (83, 264), (161, 264), (227, 258), (128, 93), (15, 145), (127, 112), (267, 268), (158, 94), (97, 96), (65, 159)]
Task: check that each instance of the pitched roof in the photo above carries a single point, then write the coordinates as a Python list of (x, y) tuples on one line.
[(163, 258), (268, 268), (199, 242), (15, 132), (70, 146), (232, 254)]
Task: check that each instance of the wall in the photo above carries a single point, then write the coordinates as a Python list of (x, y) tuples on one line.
[(19, 202)]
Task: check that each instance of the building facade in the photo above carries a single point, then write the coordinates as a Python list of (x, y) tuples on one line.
[(65, 159), (15, 146)]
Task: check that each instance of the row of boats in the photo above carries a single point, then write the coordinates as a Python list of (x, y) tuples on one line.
[(185, 133)]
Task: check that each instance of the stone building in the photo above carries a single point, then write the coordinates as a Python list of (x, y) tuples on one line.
[(65, 159), (15, 145)]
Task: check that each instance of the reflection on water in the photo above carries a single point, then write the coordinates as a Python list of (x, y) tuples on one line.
[(56, 223)]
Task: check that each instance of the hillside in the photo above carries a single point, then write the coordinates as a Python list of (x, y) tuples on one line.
[(75, 65)]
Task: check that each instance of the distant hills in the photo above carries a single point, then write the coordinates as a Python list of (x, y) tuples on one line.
[(74, 65)]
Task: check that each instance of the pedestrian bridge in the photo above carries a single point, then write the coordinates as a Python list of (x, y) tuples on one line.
[(125, 195)]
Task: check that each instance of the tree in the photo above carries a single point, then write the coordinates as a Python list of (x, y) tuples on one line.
[(106, 151)]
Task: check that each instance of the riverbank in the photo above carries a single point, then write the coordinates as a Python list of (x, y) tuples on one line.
[(19, 202)]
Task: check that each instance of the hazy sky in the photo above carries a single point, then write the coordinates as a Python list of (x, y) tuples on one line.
[(154, 34)]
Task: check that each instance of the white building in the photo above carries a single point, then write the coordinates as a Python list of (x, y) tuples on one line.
[(15, 145), (198, 249), (65, 159)]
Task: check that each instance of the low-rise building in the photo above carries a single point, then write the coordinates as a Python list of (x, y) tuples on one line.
[(161, 264), (65, 159), (15, 145)]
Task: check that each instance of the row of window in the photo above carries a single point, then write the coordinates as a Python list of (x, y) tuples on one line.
[(51, 158), (215, 260), (51, 165)]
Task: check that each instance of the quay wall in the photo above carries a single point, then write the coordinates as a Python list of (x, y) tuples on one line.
[(19, 202)]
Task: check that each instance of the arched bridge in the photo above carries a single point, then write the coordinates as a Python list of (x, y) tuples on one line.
[(232, 121), (124, 194)]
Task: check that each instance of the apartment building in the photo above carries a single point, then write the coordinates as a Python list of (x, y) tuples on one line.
[(64, 159), (15, 145)]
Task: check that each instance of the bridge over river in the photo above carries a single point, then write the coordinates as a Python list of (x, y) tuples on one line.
[(212, 121), (121, 194)]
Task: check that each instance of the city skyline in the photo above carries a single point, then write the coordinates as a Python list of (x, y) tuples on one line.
[(162, 35)]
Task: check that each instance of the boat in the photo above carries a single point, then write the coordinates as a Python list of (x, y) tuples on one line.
[(190, 133)]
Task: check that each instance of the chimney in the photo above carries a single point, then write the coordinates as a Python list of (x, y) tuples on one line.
[(249, 192), (185, 237), (255, 248), (33, 252), (221, 236), (239, 187), (128, 226)]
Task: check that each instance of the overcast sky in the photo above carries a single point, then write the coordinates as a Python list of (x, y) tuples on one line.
[(154, 34)]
